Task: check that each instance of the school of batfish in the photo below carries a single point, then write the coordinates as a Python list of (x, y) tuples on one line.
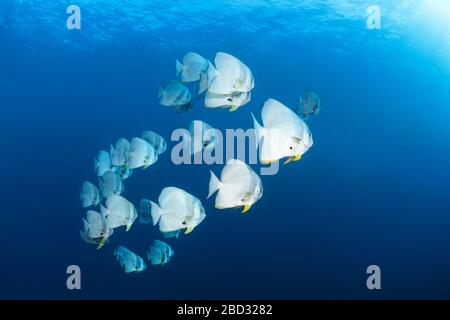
[(226, 84)]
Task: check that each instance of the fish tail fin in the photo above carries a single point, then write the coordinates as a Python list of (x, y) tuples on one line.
[(203, 83), (104, 212), (195, 95), (156, 212), (258, 128), (214, 184), (85, 224), (179, 68), (160, 92), (144, 210), (101, 185), (192, 104), (211, 73), (96, 164), (84, 232)]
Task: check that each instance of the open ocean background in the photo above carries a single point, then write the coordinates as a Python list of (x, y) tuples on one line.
[(374, 188)]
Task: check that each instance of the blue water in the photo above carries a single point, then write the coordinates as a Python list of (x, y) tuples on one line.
[(374, 188)]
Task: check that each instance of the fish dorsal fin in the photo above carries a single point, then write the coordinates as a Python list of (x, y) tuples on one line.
[(179, 68), (275, 113), (235, 170), (192, 57)]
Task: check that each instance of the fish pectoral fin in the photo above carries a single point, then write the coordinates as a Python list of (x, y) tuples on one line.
[(128, 227), (188, 230), (294, 158), (101, 243), (233, 108), (246, 208)]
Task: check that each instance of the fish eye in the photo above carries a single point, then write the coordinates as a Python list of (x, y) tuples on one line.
[(183, 223), (291, 148), (242, 200)]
